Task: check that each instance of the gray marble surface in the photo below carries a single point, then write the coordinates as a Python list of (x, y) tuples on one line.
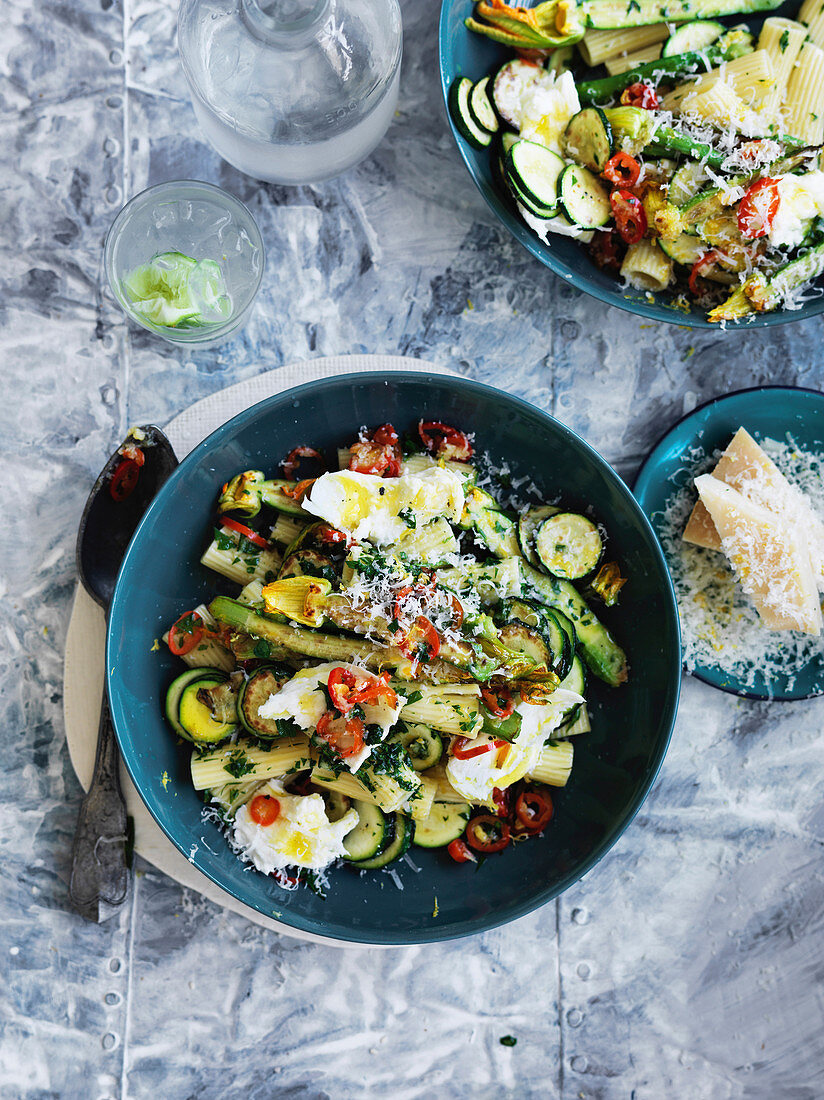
[(687, 964)]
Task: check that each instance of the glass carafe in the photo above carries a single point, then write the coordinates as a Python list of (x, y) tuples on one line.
[(292, 91)]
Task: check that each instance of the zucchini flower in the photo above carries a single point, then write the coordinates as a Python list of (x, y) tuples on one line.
[(545, 27)]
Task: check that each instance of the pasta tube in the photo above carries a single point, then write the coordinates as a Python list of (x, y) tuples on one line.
[(554, 764), (645, 266), (804, 115), (242, 762), (622, 64), (208, 653), (782, 39), (597, 46)]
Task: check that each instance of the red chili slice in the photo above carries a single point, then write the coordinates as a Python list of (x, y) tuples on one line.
[(421, 642), (345, 737), (348, 688), (263, 809), (368, 458), (607, 251), (292, 461), (445, 441), (185, 634), (124, 480), (622, 170), (498, 701), (487, 833), (640, 95), (699, 269), (132, 451), (330, 534), (461, 752), (460, 853), (247, 532), (758, 208), (534, 810), (630, 218)]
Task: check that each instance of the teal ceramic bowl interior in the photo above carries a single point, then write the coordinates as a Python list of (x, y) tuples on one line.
[(614, 765), (767, 412), (465, 53)]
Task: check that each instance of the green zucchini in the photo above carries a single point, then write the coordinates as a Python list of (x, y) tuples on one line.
[(508, 87), (534, 170), (497, 531), (177, 686), (459, 109), (308, 563), (689, 37), (445, 823), (608, 14), (404, 832), (601, 653), (337, 805), (545, 622), (507, 729), (254, 693), (481, 109), (584, 199), (569, 545), (576, 681), (370, 836), (588, 139), (687, 181), (423, 746), (195, 721), (523, 639), (528, 524)]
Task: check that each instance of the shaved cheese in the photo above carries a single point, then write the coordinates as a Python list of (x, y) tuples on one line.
[(771, 560)]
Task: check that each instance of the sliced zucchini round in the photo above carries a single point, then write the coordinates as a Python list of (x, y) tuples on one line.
[(528, 524), (337, 805), (508, 139), (254, 693), (404, 832), (588, 139), (307, 563), (575, 681), (533, 208), (692, 37), (524, 639), (424, 747), (584, 198), (195, 719), (371, 834), (535, 171), (543, 621), (481, 109), (177, 686), (445, 823), (566, 625), (686, 182), (465, 124), (275, 497), (511, 81), (569, 545)]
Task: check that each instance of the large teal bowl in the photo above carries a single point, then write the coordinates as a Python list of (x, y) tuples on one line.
[(464, 53), (614, 765)]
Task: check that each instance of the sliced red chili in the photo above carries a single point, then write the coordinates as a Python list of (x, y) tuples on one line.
[(607, 251), (622, 170), (444, 440), (758, 208), (699, 269), (291, 463), (640, 95), (534, 810), (132, 451), (330, 534), (344, 735), (487, 833), (185, 634), (368, 458), (421, 642), (263, 809), (630, 218), (498, 701), (460, 853), (342, 685), (247, 532), (347, 688), (461, 752), (501, 799), (298, 492), (124, 480)]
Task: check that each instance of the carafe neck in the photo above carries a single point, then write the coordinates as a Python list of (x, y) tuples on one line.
[(285, 24)]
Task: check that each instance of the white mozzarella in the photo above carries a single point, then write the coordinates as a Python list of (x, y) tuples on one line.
[(547, 105), (801, 200), (301, 835)]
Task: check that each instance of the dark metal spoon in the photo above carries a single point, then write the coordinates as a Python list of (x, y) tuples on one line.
[(99, 876)]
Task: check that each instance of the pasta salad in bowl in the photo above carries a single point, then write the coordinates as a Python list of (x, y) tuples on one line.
[(391, 643), (681, 153)]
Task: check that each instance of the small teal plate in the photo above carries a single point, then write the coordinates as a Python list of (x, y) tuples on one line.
[(767, 412), (465, 53), (614, 765)]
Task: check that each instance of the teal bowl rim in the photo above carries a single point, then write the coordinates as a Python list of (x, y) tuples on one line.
[(656, 310), (535, 900), (651, 459)]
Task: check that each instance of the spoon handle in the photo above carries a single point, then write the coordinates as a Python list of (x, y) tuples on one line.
[(99, 876)]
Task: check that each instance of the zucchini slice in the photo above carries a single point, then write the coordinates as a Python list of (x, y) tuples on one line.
[(569, 545), (686, 182), (195, 719), (177, 686), (519, 196), (495, 529), (508, 87), (555, 635), (465, 124), (308, 563), (404, 832), (445, 823), (275, 497), (694, 36), (527, 526), (371, 834), (423, 746), (481, 109), (588, 139), (535, 171), (254, 693), (337, 804), (523, 639), (575, 681), (584, 198)]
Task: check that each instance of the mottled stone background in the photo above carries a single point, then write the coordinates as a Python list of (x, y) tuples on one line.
[(688, 964)]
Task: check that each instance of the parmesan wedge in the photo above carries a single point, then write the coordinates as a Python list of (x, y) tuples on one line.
[(769, 556), (746, 467)]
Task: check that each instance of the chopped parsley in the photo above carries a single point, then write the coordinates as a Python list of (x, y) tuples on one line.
[(408, 516), (238, 764)]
